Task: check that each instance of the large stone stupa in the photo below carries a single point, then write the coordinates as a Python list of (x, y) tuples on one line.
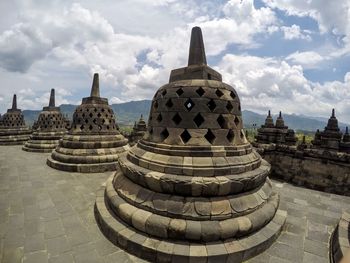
[(50, 127), (13, 130), (93, 143), (193, 189)]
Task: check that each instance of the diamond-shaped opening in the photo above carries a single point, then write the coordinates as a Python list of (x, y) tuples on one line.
[(211, 105), (185, 136), (82, 127), (95, 110), (90, 127), (156, 104), (86, 121), (219, 93), (189, 104), (177, 119), (210, 136), (229, 106), (200, 91), (164, 134), (103, 110), (94, 121), (159, 118), (179, 92), (236, 121), (222, 122), (164, 92), (233, 95), (169, 103), (230, 135), (242, 134), (91, 115), (198, 120), (99, 115)]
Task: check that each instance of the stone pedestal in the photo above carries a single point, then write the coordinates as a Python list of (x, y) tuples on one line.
[(193, 189), (13, 130), (93, 143)]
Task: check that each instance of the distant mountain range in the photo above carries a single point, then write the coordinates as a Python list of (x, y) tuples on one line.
[(129, 112)]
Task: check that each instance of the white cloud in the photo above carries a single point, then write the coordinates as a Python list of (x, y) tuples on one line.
[(294, 32), (308, 59), (268, 83)]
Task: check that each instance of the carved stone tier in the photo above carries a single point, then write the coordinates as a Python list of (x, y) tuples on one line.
[(193, 189), (93, 143), (50, 128), (13, 130)]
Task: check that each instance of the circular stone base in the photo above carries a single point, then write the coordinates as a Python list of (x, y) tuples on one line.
[(38, 150), (82, 168), (13, 141), (160, 250)]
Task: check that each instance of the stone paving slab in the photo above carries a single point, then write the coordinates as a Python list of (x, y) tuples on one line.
[(47, 216)]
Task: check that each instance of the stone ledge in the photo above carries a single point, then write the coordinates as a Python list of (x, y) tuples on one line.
[(82, 168)]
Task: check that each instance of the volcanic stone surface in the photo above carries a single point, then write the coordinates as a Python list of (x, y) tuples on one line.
[(193, 189), (13, 129), (50, 127), (47, 215), (93, 143)]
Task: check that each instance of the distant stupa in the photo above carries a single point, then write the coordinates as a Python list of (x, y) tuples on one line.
[(93, 143), (49, 128), (12, 127)]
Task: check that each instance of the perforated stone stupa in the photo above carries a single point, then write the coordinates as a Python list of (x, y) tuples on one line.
[(93, 142), (193, 189), (13, 129), (50, 127)]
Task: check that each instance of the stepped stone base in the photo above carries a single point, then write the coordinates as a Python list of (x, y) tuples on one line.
[(340, 241), (167, 250), (18, 138), (43, 142)]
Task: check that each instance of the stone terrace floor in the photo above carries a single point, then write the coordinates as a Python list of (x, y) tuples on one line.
[(47, 216)]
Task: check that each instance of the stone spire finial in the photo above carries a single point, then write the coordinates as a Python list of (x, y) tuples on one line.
[(333, 113), (346, 130), (52, 98), (280, 114), (269, 113), (197, 51), (14, 102), (95, 89)]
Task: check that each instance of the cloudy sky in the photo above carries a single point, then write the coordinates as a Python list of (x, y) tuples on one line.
[(289, 55)]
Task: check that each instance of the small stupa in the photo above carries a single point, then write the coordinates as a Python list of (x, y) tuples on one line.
[(49, 128), (93, 143), (331, 136), (13, 129), (193, 189), (138, 131)]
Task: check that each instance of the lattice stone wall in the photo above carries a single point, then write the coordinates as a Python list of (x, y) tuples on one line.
[(203, 110), (98, 119), (49, 120), (13, 119)]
